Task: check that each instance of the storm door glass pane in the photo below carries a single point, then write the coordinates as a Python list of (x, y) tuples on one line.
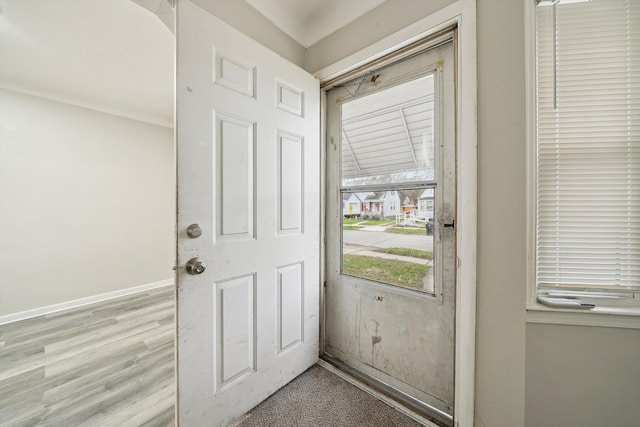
[(387, 136), (387, 237)]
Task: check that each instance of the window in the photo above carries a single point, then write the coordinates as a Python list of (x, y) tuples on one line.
[(587, 156), (429, 204), (388, 156)]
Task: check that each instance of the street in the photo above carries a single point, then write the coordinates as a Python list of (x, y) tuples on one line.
[(354, 240)]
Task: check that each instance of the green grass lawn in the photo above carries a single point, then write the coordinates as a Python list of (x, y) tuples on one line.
[(394, 272), (406, 230), (350, 221), (415, 253), (352, 227)]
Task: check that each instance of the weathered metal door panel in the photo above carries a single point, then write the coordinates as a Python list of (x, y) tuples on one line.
[(390, 310)]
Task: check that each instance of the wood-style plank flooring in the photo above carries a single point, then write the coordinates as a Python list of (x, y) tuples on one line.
[(104, 364)]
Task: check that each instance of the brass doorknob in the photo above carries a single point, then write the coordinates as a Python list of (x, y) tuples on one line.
[(195, 266)]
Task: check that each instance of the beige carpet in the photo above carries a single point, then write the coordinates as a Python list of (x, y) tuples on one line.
[(321, 398)]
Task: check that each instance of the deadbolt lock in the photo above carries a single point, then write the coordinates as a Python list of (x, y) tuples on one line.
[(195, 266), (194, 231)]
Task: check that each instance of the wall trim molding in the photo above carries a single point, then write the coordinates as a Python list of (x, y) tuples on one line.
[(116, 111), (49, 309), (624, 318)]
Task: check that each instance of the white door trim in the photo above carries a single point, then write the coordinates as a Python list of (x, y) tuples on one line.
[(463, 12)]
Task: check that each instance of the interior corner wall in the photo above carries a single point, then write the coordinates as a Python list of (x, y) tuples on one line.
[(87, 203), (247, 20), (386, 19), (501, 262)]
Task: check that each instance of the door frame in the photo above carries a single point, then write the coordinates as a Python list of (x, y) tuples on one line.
[(462, 14)]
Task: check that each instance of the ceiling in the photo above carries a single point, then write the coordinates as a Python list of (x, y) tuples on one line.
[(117, 56), (109, 55), (309, 21)]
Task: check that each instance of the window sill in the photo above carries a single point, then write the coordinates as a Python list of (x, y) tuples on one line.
[(611, 317)]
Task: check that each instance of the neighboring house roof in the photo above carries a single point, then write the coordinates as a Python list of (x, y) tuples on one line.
[(347, 196), (388, 195), (427, 194), (375, 197), (408, 202), (378, 197), (364, 196)]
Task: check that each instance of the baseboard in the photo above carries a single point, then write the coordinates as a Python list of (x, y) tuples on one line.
[(40, 311)]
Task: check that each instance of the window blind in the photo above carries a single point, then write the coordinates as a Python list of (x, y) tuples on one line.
[(588, 145)]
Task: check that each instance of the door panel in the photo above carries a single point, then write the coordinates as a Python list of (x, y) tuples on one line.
[(391, 149), (248, 174)]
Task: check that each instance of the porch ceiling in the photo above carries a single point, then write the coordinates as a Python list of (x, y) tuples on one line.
[(390, 132)]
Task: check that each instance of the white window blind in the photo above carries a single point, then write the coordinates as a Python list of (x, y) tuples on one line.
[(588, 145)]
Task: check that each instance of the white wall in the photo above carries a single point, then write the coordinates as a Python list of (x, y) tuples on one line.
[(86, 202), (500, 328), (386, 19), (243, 17), (582, 376), (110, 55)]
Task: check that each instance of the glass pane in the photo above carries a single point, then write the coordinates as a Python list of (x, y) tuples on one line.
[(387, 136), (388, 237)]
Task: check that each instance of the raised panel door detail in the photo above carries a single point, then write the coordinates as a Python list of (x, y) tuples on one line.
[(289, 98), (290, 293), (234, 349), (235, 330), (290, 173), (234, 75), (235, 140)]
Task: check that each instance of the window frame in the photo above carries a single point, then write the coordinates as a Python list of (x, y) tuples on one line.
[(435, 183), (623, 312)]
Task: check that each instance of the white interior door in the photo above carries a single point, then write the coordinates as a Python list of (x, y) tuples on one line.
[(391, 203), (248, 175)]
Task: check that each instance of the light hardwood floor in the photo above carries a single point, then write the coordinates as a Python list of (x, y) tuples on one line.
[(104, 364)]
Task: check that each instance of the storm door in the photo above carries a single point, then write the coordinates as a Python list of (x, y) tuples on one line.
[(390, 252)]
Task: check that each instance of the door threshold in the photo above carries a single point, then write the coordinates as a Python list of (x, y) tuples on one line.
[(417, 410)]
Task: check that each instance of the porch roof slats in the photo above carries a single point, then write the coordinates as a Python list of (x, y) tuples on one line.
[(389, 131)]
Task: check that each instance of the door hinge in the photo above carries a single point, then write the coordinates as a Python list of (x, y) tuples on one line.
[(451, 224)]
